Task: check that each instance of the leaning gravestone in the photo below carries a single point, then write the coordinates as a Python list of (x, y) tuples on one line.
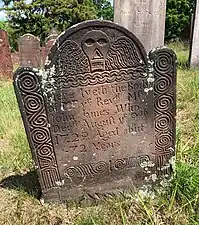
[(144, 18), (29, 51), (101, 119), (6, 67), (194, 51)]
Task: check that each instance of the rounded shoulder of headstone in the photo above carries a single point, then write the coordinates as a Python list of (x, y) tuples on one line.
[(24, 70), (97, 24), (162, 50)]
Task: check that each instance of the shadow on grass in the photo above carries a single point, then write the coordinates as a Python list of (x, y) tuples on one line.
[(28, 183)]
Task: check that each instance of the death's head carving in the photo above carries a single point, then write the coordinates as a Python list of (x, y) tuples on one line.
[(96, 45)]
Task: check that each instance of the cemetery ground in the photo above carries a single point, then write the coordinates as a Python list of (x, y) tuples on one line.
[(19, 191)]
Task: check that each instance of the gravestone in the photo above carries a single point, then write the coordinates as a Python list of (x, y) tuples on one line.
[(101, 119), (50, 40), (53, 34), (43, 54), (144, 18), (194, 51), (6, 67), (15, 58), (29, 51)]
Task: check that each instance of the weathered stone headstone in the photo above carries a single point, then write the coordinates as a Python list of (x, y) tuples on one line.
[(101, 119), (144, 18), (6, 67), (52, 35), (29, 51), (194, 51), (50, 40), (15, 58)]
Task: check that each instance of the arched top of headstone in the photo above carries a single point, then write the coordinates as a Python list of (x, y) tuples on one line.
[(52, 35), (96, 46), (29, 37)]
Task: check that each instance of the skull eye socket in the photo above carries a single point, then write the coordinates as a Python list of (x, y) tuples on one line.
[(102, 41), (89, 42)]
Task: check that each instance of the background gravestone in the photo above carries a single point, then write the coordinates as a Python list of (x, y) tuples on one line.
[(15, 58), (194, 51), (144, 18), (6, 67), (102, 119), (29, 51), (50, 40), (52, 35)]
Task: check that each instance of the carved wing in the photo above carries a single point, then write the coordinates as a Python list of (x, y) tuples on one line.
[(70, 59), (123, 54)]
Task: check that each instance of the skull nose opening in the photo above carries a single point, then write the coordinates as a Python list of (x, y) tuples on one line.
[(97, 54)]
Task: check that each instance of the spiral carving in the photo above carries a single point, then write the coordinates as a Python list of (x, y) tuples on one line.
[(27, 88), (40, 135), (87, 170), (73, 172), (32, 103), (164, 104), (163, 84), (164, 122), (163, 63), (100, 167), (28, 82), (143, 159), (38, 120), (164, 141), (45, 150), (120, 164)]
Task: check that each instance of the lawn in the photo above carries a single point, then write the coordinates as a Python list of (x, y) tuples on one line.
[(19, 191)]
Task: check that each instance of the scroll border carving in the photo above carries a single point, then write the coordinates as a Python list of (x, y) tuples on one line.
[(31, 102), (164, 66)]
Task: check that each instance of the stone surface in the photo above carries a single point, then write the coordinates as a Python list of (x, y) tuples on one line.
[(101, 119), (144, 18), (47, 48), (50, 40), (29, 51), (15, 58), (43, 55), (194, 51), (6, 67), (52, 35)]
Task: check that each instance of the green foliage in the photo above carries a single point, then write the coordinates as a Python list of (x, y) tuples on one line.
[(178, 17), (40, 16), (182, 51), (14, 138), (104, 9), (2, 25), (5, 25), (187, 180)]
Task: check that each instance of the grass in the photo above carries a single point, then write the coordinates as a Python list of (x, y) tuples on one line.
[(19, 192)]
